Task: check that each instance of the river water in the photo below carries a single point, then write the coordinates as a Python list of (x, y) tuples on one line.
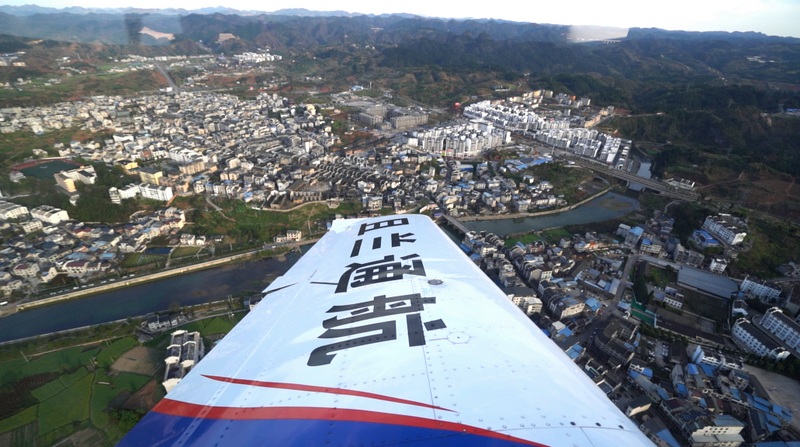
[(189, 289), (608, 206), (643, 172), (217, 283)]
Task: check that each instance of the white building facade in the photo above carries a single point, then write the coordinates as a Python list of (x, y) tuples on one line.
[(782, 327)]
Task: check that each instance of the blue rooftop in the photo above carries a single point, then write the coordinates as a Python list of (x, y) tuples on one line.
[(666, 436), (707, 369)]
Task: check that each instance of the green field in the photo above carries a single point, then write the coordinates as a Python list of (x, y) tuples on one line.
[(527, 238), (70, 379), (217, 326), (180, 252), (102, 395), (109, 354), (58, 361), (72, 405), (50, 397), (242, 223), (69, 396), (555, 235), (137, 259), (24, 417), (48, 390)]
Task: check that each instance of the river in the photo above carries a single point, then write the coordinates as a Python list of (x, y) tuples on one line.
[(608, 206), (193, 288), (217, 283), (643, 172)]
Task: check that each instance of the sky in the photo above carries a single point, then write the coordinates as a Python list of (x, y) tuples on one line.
[(774, 17)]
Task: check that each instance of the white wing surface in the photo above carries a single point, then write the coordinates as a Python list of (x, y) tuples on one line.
[(385, 334)]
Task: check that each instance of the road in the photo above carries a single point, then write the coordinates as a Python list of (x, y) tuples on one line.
[(661, 187), (166, 75)]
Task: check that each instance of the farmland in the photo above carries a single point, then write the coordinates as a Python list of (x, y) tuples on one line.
[(49, 397)]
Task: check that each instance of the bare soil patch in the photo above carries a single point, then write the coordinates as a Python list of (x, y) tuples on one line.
[(139, 360)]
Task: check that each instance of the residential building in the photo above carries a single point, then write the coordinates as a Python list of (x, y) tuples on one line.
[(633, 236), (781, 327), (160, 193), (704, 355), (756, 341), (183, 353), (687, 256), (718, 265), (9, 210), (126, 192), (651, 247), (566, 306), (76, 268), (704, 239), (721, 430), (150, 175), (669, 296), (614, 339), (760, 290), (65, 182), (26, 270), (128, 166), (31, 225), (49, 214), (408, 121), (727, 228), (84, 174)]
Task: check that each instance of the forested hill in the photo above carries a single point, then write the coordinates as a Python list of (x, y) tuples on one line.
[(450, 44), (642, 56)]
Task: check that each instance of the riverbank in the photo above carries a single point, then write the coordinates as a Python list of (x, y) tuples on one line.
[(245, 277), (599, 207), (144, 278), (537, 214)]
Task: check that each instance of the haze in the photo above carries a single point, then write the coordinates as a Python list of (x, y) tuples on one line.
[(773, 17)]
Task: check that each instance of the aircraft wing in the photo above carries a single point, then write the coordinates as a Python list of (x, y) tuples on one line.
[(385, 334)]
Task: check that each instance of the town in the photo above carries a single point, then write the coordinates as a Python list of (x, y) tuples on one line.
[(650, 317)]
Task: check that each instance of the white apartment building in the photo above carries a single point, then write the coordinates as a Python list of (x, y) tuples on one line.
[(727, 228), (119, 194), (76, 268), (31, 225), (756, 341), (183, 353), (714, 359), (26, 270), (49, 214), (782, 327), (723, 431), (759, 290), (718, 265), (9, 210), (160, 193)]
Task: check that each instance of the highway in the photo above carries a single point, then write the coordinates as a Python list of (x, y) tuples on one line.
[(656, 185)]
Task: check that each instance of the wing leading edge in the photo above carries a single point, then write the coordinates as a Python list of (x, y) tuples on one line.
[(385, 333)]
